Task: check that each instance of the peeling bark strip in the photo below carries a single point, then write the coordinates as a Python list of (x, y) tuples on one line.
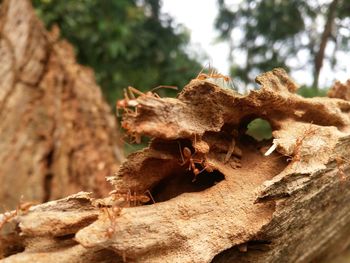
[(243, 206), (58, 135)]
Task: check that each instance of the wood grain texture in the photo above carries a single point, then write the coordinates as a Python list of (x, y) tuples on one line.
[(289, 206), (58, 135)]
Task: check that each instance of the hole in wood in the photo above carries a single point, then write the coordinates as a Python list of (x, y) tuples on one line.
[(259, 129), (182, 182)]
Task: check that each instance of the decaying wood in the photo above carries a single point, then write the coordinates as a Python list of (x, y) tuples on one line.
[(58, 135), (340, 90), (290, 205)]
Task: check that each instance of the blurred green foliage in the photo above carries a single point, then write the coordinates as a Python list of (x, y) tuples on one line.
[(259, 129), (274, 33), (130, 42), (310, 93), (126, 42)]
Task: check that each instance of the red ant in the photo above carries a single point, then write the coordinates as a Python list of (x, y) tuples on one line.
[(297, 155), (340, 161), (10, 215), (112, 218), (126, 102), (213, 76), (130, 101), (129, 97), (116, 210), (112, 228), (134, 136), (213, 73), (187, 157), (135, 198)]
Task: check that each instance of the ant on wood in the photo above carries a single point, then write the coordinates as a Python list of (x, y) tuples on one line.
[(22, 208), (130, 101), (297, 154), (340, 162), (132, 198), (187, 158), (112, 216), (130, 98), (214, 76), (134, 136)]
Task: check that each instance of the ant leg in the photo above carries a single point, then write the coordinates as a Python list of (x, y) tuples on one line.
[(126, 96), (150, 195), (200, 72), (340, 164), (132, 96), (160, 87), (194, 170), (204, 168), (182, 157), (190, 166), (108, 214), (133, 91), (18, 206), (165, 87), (156, 95), (131, 113), (127, 198), (230, 150), (135, 199)]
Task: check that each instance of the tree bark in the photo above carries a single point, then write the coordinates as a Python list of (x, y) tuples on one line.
[(327, 32), (58, 135), (245, 202)]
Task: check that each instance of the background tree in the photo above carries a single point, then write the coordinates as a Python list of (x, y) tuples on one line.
[(127, 42), (291, 34), (58, 134)]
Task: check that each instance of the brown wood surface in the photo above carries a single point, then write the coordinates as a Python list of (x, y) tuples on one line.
[(57, 133), (240, 206), (289, 206)]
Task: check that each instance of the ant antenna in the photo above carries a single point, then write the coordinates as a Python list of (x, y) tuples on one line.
[(164, 87), (182, 157)]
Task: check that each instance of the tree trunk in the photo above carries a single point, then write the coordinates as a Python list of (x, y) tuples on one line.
[(58, 135), (220, 195), (327, 32)]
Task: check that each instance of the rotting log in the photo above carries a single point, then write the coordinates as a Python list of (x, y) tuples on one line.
[(58, 135), (290, 205)]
